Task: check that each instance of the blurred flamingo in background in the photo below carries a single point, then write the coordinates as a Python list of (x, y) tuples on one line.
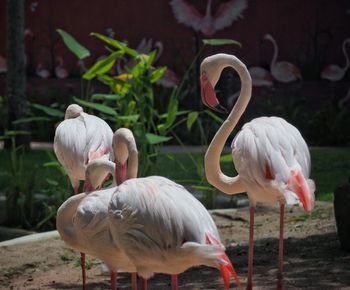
[(208, 24), (60, 71), (282, 71), (42, 72), (334, 72), (260, 77), (79, 139), (270, 155), (160, 226)]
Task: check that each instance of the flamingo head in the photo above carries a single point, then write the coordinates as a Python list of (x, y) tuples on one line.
[(97, 171), (210, 73), (268, 36), (73, 111)]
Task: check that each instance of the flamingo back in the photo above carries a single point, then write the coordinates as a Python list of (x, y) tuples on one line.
[(265, 152)]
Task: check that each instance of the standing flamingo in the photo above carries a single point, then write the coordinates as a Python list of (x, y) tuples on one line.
[(270, 155), (79, 139), (334, 72), (159, 225), (208, 24), (282, 71), (260, 77), (60, 71)]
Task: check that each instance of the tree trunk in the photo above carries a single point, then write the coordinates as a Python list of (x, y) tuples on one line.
[(16, 75)]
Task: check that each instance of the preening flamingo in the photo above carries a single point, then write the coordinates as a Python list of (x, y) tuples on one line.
[(160, 226), (60, 71), (269, 154), (260, 77), (79, 139), (208, 24), (334, 72), (282, 71)]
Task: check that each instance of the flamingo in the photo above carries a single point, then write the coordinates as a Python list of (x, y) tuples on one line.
[(270, 155), (260, 77), (282, 71), (42, 72), (158, 224), (208, 24), (334, 72), (79, 139), (60, 71)]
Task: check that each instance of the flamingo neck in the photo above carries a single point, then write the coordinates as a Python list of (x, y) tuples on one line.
[(212, 157), (347, 63), (65, 217), (275, 51)]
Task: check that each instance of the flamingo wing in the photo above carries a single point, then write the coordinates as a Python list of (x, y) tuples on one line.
[(228, 12), (153, 219), (265, 153), (187, 14)]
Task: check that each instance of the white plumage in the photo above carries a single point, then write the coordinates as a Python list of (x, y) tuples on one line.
[(79, 139)]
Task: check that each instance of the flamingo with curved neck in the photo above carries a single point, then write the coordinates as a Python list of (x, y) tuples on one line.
[(270, 155), (282, 71), (334, 72)]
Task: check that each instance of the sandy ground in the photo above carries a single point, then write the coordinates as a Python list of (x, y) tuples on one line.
[(313, 258)]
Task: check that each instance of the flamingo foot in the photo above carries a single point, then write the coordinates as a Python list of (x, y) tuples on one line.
[(279, 281), (174, 284), (113, 280), (227, 269), (134, 281), (82, 262)]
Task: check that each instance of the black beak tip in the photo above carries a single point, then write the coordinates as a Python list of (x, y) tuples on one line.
[(220, 109)]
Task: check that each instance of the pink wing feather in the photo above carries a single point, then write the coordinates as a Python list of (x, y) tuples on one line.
[(187, 14), (228, 12)]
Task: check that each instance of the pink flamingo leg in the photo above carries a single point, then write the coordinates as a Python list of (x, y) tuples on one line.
[(82, 262), (134, 281), (143, 284), (174, 285), (113, 280), (251, 249), (280, 252)]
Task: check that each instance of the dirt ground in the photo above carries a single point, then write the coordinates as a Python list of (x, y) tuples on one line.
[(313, 258)]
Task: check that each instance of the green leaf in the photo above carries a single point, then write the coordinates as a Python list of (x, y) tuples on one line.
[(191, 118), (98, 107), (157, 74), (129, 118), (203, 187), (116, 44), (80, 51), (107, 97), (48, 110), (30, 119), (12, 133), (215, 117), (102, 66), (226, 158), (156, 139), (216, 42)]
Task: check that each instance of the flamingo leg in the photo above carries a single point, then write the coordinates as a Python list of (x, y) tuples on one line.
[(82, 262), (143, 284), (134, 281), (174, 284), (251, 248), (113, 280), (280, 251)]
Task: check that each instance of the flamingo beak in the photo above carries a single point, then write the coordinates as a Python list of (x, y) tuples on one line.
[(120, 173), (209, 96), (87, 185), (300, 186)]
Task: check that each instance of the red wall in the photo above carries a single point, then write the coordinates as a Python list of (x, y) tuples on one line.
[(309, 33)]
